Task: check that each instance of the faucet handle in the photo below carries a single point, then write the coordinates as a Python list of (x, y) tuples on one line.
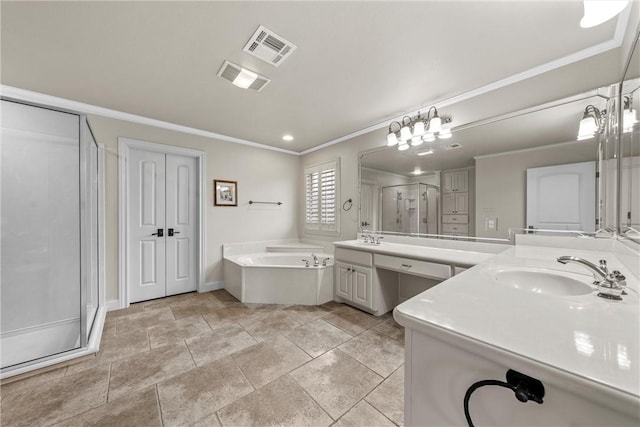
[(603, 265)]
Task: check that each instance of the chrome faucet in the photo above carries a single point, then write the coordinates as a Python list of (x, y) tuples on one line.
[(610, 284), (316, 261)]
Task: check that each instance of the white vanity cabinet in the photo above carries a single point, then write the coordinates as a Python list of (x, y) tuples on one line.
[(455, 181), (455, 202), (353, 283)]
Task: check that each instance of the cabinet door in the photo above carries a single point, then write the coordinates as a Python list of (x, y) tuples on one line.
[(448, 182), (362, 287), (461, 203), (343, 280), (461, 181), (448, 204)]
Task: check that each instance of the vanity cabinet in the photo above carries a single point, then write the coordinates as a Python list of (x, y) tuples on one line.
[(353, 283), (455, 204)]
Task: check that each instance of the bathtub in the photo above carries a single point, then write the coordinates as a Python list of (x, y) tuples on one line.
[(279, 278)]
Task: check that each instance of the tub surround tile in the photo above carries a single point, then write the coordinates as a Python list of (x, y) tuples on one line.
[(144, 370), (56, 400), (363, 415), (388, 397), (137, 409), (199, 393), (281, 402), (351, 320), (336, 381), (176, 331), (379, 352), (219, 343), (318, 337), (269, 360)]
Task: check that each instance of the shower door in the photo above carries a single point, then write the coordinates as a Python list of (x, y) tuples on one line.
[(40, 264)]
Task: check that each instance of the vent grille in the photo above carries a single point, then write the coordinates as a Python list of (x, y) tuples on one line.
[(268, 46), (229, 71)]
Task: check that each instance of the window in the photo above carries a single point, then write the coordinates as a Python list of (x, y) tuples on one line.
[(321, 198)]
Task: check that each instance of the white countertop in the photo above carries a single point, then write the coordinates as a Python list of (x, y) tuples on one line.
[(458, 257), (584, 335)]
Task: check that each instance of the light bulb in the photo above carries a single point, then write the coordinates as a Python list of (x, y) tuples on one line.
[(435, 125), (416, 140), (428, 137), (597, 12), (588, 128), (392, 139), (405, 133), (418, 128), (628, 120)]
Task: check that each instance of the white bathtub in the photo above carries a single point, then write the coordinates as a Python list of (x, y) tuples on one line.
[(279, 278)]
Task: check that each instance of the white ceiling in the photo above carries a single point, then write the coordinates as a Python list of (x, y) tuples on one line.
[(357, 63)]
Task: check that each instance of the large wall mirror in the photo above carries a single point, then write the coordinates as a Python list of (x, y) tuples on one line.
[(520, 171), (629, 203)]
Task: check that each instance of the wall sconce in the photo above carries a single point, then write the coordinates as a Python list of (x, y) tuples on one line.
[(590, 123), (628, 115), (416, 131)]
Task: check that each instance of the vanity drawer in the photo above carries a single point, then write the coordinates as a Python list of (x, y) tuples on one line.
[(413, 266), (455, 219), (455, 228), (356, 257)]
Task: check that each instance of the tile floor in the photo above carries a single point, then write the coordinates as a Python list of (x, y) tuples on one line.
[(209, 360)]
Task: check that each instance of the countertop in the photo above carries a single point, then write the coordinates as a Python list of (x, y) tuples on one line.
[(585, 335), (459, 257)]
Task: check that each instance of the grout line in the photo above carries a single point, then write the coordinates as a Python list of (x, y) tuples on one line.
[(218, 417), (243, 375), (314, 400), (109, 382), (184, 340), (159, 404)]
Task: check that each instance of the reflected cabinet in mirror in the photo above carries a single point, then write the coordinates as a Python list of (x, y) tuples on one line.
[(523, 170)]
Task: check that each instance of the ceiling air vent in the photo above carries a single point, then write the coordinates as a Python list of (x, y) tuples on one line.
[(268, 46), (242, 77)]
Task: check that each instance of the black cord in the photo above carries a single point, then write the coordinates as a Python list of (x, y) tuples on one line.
[(476, 386)]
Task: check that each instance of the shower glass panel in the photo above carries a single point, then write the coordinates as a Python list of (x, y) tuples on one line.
[(91, 302), (410, 208), (41, 245)]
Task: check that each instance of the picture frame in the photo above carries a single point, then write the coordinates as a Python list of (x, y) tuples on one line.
[(225, 193)]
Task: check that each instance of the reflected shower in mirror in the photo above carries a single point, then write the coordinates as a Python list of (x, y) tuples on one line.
[(523, 170)]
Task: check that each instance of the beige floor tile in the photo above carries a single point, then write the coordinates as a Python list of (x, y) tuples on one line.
[(388, 397), (379, 352), (351, 320), (133, 308), (196, 306), (219, 343), (275, 323), (199, 393), (317, 337), (11, 386), (176, 331), (223, 296), (390, 328), (139, 321), (306, 313), (336, 381), (141, 371), (269, 360), (54, 401), (228, 316), (281, 402), (210, 421), (138, 409), (363, 415)]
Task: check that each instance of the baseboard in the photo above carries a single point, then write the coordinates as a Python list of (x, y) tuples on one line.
[(212, 286), (114, 304)]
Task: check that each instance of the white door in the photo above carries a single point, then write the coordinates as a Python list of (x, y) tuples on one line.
[(162, 201), (562, 197)]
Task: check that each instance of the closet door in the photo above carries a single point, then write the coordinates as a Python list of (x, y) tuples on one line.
[(181, 224), (146, 221)]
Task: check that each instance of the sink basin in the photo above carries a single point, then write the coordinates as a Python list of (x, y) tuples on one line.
[(541, 282)]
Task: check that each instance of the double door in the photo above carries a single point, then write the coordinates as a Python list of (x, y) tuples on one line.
[(162, 223), (354, 284)]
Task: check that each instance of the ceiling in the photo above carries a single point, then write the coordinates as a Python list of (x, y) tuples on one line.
[(357, 64)]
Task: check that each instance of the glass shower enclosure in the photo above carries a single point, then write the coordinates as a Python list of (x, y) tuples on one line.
[(410, 208), (50, 278)]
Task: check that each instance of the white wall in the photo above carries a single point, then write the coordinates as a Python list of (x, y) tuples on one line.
[(263, 175), (501, 182)]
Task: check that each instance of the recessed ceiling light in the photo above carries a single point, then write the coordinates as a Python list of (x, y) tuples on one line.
[(245, 78), (287, 138), (417, 171)]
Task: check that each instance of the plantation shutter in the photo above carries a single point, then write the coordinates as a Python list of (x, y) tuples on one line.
[(321, 184)]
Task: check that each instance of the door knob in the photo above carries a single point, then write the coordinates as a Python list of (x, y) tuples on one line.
[(159, 233), (170, 232)]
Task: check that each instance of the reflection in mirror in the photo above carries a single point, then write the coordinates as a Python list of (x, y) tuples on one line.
[(630, 149), (523, 170)]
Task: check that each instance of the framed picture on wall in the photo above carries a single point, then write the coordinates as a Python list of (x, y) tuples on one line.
[(225, 193)]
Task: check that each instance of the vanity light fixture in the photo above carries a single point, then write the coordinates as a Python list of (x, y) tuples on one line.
[(287, 137), (590, 123), (628, 115), (413, 132), (597, 12)]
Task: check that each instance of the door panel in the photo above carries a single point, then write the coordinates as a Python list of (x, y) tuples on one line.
[(461, 203), (182, 218), (146, 272), (343, 280), (362, 287)]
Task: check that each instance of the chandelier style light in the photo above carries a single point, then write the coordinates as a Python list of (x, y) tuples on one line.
[(416, 131), (590, 123)]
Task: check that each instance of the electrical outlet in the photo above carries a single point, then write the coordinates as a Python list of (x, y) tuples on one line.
[(491, 224)]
